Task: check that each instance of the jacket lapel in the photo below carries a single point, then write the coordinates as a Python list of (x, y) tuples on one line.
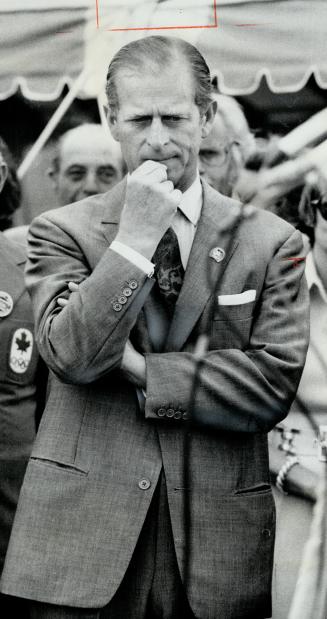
[(218, 218)]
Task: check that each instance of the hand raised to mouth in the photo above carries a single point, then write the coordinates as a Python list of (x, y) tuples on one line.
[(150, 205)]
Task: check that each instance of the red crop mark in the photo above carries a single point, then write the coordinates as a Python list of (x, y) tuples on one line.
[(296, 260), (97, 13), (124, 29)]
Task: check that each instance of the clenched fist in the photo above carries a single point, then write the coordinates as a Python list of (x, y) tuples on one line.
[(151, 203)]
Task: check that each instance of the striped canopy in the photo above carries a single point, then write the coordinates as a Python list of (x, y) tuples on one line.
[(47, 43)]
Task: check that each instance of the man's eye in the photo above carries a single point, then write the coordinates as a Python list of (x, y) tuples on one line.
[(76, 176), (106, 175), (142, 119), (172, 119)]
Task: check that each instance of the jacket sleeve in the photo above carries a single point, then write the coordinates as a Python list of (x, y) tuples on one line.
[(84, 340), (242, 390)]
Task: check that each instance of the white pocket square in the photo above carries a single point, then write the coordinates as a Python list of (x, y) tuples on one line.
[(237, 299)]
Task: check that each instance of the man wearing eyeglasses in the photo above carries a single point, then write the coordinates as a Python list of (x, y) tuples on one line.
[(224, 152)]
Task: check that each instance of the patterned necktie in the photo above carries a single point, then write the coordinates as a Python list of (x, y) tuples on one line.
[(169, 271)]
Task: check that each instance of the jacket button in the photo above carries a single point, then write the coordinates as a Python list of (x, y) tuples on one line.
[(144, 484), (122, 299), (161, 412), (177, 415), (133, 284), (170, 412), (127, 292), (185, 416), (117, 307)]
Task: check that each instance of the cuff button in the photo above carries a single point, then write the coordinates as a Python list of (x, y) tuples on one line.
[(133, 284), (161, 412), (117, 307), (127, 292), (122, 299), (170, 412)]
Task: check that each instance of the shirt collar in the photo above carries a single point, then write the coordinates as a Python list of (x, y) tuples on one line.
[(191, 202), (313, 278)]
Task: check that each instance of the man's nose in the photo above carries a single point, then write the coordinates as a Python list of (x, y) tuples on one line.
[(158, 135), (90, 186)]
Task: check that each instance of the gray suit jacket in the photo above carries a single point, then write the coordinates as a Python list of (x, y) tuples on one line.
[(82, 507)]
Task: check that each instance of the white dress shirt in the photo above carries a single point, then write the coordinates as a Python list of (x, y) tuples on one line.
[(184, 224)]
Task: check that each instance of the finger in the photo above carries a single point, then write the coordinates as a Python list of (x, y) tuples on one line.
[(176, 195), (167, 186), (73, 287), (62, 302), (147, 167), (157, 174)]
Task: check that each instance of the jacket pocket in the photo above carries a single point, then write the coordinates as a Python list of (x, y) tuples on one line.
[(260, 488), (59, 466)]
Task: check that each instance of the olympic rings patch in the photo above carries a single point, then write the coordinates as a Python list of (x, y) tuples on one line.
[(21, 350)]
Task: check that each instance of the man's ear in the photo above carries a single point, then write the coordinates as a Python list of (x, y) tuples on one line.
[(208, 119), (3, 174), (53, 175), (112, 122)]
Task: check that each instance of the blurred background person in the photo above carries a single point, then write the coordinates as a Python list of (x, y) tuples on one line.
[(87, 161), (299, 435), (11, 192), (22, 377), (230, 143)]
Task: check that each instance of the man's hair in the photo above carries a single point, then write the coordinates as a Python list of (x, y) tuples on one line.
[(160, 51), (11, 191)]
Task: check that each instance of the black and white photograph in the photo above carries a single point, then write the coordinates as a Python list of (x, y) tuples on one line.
[(163, 309)]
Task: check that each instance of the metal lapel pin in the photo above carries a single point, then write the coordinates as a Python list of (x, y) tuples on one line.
[(217, 253)]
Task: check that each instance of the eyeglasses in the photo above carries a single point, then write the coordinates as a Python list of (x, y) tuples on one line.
[(218, 156)]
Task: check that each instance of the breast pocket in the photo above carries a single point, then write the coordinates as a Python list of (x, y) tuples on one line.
[(18, 358), (231, 325)]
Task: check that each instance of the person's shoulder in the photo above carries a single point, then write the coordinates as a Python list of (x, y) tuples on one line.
[(252, 218), (13, 251), (83, 214)]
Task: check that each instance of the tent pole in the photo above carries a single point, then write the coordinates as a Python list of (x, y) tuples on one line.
[(52, 124), (102, 114)]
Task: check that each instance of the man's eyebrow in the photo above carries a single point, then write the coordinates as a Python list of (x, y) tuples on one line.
[(106, 166)]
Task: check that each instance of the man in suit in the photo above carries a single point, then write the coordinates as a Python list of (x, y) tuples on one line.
[(147, 496)]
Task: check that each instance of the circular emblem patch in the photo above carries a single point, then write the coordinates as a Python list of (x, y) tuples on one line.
[(6, 304)]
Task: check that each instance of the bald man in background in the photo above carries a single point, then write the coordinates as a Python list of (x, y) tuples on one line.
[(87, 161)]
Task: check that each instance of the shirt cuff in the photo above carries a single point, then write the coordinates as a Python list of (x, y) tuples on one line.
[(133, 256)]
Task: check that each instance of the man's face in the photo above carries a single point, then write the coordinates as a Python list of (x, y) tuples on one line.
[(89, 164), (157, 119), (216, 163)]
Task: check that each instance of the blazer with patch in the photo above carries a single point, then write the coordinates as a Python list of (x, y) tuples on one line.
[(20, 383), (82, 505)]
